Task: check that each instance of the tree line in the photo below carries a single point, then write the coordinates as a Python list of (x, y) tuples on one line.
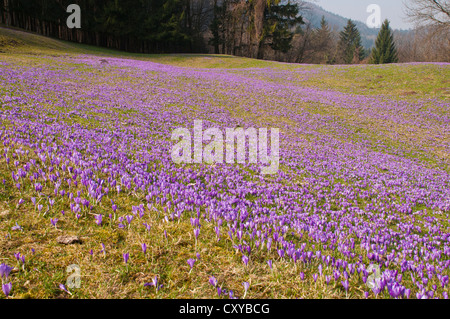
[(263, 29)]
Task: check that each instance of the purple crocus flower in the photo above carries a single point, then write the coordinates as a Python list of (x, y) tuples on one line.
[(246, 287), (407, 293), (98, 219), (54, 221), (7, 288), (144, 248), (196, 232), (191, 262), (126, 256), (129, 218), (154, 283), (5, 270), (346, 284), (63, 288), (245, 260), (213, 281), (16, 227)]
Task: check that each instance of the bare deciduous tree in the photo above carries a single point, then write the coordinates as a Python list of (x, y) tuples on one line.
[(429, 12)]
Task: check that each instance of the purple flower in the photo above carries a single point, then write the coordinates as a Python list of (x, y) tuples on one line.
[(54, 221), (16, 227), (245, 260), (63, 288), (5, 270), (144, 248), (98, 219), (129, 218), (246, 287), (213, 281), (191, 262), (154, 283), (147, 226), (196, 232), (7, 288), (126, 256), (407, 293), (346, 284)]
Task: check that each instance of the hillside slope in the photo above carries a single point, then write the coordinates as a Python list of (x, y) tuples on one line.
[(89, 177)]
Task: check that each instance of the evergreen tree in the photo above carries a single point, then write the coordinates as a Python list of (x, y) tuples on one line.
[(384, 50), (279, 20), (323, 43), (350, 48)]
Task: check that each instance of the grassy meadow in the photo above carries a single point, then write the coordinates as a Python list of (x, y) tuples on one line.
[(364, 176)]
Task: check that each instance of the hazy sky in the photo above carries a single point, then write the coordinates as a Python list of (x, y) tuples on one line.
[(393, 10)]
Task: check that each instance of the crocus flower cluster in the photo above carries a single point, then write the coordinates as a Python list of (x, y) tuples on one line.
[(5, 270)]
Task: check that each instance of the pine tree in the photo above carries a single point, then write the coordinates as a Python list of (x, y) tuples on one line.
[(350, 48), (384, 50), (322, 43)]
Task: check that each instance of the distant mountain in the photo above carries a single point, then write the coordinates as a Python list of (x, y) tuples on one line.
[(313, 13)]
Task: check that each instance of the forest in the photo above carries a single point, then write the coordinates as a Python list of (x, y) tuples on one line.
[(271, 30)]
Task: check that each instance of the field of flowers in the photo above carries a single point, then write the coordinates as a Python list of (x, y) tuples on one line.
[(363, 185)]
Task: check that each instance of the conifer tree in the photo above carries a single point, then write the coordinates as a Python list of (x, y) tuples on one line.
[(350, 48), (322, 43), (384, 50)]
